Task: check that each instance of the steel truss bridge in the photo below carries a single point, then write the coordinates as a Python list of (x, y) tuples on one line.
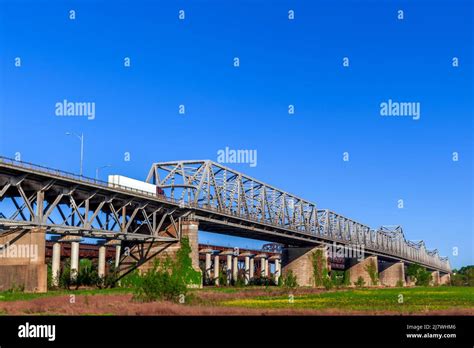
[(221, 199)]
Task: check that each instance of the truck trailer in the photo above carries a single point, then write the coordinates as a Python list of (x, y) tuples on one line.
[(120, 180)]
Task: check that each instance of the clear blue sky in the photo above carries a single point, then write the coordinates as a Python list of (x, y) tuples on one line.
[(283, 62)]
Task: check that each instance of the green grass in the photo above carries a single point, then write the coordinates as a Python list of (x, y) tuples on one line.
[(369, 300), (365, 300), (24, 296)]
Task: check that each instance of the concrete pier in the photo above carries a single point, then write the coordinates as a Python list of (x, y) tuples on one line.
[(189, 229), (235, 268), (28, 271), (247, 267), (56, 264), (207, 263), (300, 262), (435, 278), (263, 264), (74, 260), (74, 265), (252, 268), (393, 274), (445, 279), (277, 273), (228, 266), (358, 269), (216, 270), (101, 261)]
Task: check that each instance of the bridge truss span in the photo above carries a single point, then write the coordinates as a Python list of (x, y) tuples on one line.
[(221, 199), (219, 193), (32, 196)]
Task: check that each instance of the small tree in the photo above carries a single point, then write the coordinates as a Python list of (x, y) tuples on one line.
[(420, 274), (347, 278), (289, 280), (360, 282)]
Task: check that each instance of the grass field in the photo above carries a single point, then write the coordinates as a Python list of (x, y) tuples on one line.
[(250, 300), (397, 300)]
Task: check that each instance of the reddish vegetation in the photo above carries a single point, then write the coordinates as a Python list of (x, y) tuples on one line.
[(122, 304)]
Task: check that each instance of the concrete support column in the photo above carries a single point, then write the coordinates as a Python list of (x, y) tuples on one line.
[(248, 264), (101, 265), (267, 268), (393, 274), (359, 269), (118, 251), (208, 266), (263, 265), (74, 260), (56, 264), (277, 273), (228, 266), (235, 268), (252, 268), (247, 269), (216, 270), (229, 269), (74, 266)]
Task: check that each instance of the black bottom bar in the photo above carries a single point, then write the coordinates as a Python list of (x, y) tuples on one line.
[(227, 331)]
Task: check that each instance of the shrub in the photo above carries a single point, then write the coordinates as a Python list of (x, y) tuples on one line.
[(420, 274), (222, 278), (399, 284), (371, 269), (168, 279), (240, 281), (360, 282), (265, 281), (88, 274), (347, 278), (337, 278), (159, 284), (463, 277), (289, 280)]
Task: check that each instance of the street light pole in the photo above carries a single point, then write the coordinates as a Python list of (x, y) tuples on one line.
[(82, 152), (99, 168), (81, 138)]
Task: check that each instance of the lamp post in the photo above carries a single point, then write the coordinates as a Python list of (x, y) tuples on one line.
[(99, 168), (81, 138)]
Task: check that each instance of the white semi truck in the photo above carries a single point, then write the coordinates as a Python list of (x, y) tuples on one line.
[(134, 184)]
